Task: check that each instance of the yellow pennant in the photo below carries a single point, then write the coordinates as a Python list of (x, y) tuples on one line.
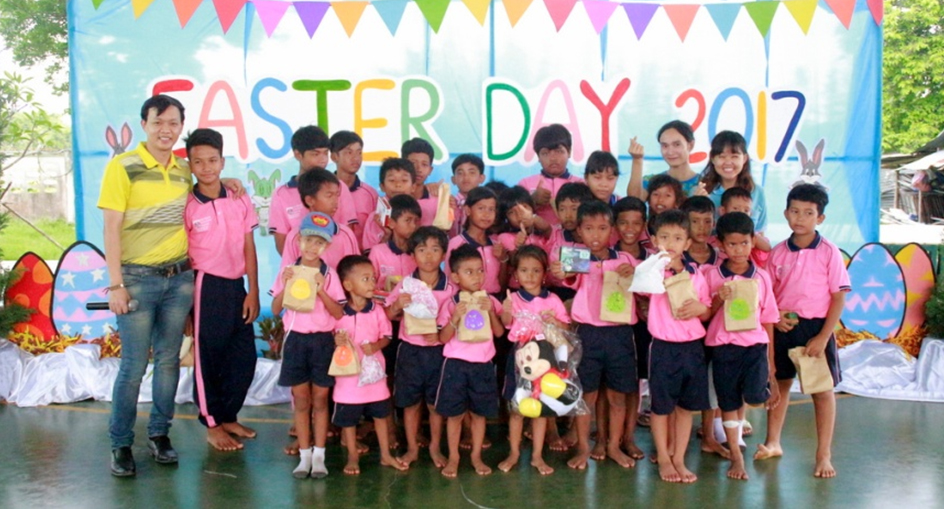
[(140, 6), (478, 8), (802, 11)]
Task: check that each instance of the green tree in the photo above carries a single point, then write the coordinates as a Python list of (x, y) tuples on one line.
[(37, 33), (913, 84)]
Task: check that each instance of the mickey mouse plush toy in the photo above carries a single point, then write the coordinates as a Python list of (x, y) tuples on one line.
[(543, 390)]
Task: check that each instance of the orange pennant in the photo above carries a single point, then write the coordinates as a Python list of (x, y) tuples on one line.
[(515, 9), (681, 16), (478, 8), (349, 13), (185, 9), (140, 6)]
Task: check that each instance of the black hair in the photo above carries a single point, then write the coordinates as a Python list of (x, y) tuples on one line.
[(461, 254), (671, 217), (629, 204), (161, 102), (735, 142), (204, 136), (700, 204), (664, 180), (403, 204), (551, 137), (574, 191), (809, 193), (594, 208), (424, 233), (509, 199), (395, 163), (529, 251), (682, 127), (479, 194), (341, 139), (735, 192), (347, 264), (599, 161), (734, 222), (310, 182), (310, 137), (417, 146), (497, 186), (468, 158)]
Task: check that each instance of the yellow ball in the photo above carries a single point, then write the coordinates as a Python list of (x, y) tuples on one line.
[(530, 407), (552, 385)]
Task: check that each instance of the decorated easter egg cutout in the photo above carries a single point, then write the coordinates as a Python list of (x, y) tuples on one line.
[(876, 302), (845, 257), (81, 278), (301, 290), (530, 407), (474, 320), (918, 271), (739, 309), (615, 302), (343, 356), (33, 290)]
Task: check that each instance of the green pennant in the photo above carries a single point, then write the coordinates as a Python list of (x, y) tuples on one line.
[(97, 3), (434, 11), (763, 14)]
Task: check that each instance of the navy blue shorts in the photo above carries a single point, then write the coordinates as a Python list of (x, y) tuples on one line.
[(740, 374), (306, 358), (417, 374), (609, 355), (642, 338), (800, 336), (467, 386), (348, 415), (678, 376)]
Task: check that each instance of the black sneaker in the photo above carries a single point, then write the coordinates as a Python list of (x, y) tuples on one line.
[(122, 462), (161, 450)]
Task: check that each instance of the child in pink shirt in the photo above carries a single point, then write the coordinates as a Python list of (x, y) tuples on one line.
[(367, 328), (665, 193), (468, 172), (347, 154), (738, 199), (396, 177), (701, 217), (392, 261), (421, 154), (566, 203), (519, 225), (481, 208), (552, 144)]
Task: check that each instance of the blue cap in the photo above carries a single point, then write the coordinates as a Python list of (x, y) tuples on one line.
[(318, 225)]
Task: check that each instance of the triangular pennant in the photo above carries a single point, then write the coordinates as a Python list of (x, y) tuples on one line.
[(639, 16), (226, 12), (599, 12), (515, 9), (802, 11), (877, 8), (478, 8), (843, 10), (434, 11), (681, 16), (311, 14), (270, 13), (559, 10), (724, 15), (763, 14), (185, 9), (140, 6), (97, 3), (349, 13), (391, 12)]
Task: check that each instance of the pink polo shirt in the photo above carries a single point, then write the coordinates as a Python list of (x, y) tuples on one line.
[(373, 233), (365, 326), (342, 244), (714, 260), (428, 205), (286, 208), (216, 232), (522, 301), (365, 199), (469, 352), (492, 265), (318, 319), (553, 184), (586, 306), (507, 240), (804, 279), (664, 326), (390, 262), (559, 237), (443, 291), (766, 310)]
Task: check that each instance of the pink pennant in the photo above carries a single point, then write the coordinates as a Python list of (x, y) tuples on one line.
[(227, 10), (270, 13), (559, 10), (311, 14), (185, 9), (843, 10), (877, 8), (681, 16), (599, 12)]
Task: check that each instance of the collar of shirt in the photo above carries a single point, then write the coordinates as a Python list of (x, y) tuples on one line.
[(813, 245), (293, 182), (356, 185), (611, 253), (474, 243), (440, 283), (568, 235), (688, 268), (565, 175), (725, 273), (349, 311), (713, 259), (150, 162), (393, 247), (528, 297), (202, 198), (323, 268)]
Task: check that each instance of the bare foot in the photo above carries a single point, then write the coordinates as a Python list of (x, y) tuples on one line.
[(486, 443), (824, 469), (221, 441), (686, 474), (291, 432), (599, 451), (410, 457), (644, 419), (746, 428), (366, 428), (362, 448), (712, 446), (291, 449), (559, 445), (614, 453), (667, 471), (767, 451), (542, 467), (632, 450), (235, 428), (451, 469), (466, 444), (579, 461), (352, 467), (508, 463), (397, 463), (570, 438), (737, 470), (654, 459), (422, 441), (438, 459), (480, 467)]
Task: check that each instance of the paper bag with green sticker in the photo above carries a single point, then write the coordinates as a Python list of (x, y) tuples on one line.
[(680, 290), (740, 311), (616, 301), (474, 327), (301, 290)]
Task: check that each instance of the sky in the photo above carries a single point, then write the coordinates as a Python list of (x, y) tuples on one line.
[(43, 92)]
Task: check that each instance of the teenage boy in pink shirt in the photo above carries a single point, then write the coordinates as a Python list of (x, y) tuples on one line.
[(552, 144), (742, 362), (421, 154), (347, 154), (810, 282), (396, 177), (564, 233), (392, 261), (222, 251)]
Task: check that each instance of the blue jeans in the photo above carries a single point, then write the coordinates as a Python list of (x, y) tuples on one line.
[(158, 323)]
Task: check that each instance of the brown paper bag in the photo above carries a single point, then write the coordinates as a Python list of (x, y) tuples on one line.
[(474, 327), (418, 326), (444, 213), (345, 361), (679, 289), (740, 311), (813, 372), (302, 290), (616, 301)]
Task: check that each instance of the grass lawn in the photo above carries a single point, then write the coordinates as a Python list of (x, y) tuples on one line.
[(18, 238)]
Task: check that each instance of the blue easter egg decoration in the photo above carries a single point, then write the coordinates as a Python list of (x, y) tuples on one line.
[(877, 300)]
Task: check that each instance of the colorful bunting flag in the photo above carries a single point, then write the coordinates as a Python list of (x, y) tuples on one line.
[(97, 3), (349, 13), (639, 16), (763, 14), (185, 9), (434, 11), (843, 10), (311, 14), (724, 16), (139, 6), (877, 8), (802, 12), (478, 8), (681, 16), (270, 13), (226, 12), (599, 12), (559, 11), (391, 12), (515, 9)]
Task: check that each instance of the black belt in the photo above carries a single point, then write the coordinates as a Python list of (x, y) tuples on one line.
[(169, 270)]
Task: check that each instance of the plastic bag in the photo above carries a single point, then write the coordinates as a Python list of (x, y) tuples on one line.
[(372, 371), (650, 273), (423, 303), (546, 359)]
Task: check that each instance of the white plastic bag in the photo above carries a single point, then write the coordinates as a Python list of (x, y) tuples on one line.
[(649, 275), (372, 371), (423, 303)]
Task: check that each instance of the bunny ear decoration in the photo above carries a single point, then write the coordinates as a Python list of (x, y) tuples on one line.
[(275, 177), (801, 150), (253, 177), (126, 136), (818, 153), (111, 138)]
